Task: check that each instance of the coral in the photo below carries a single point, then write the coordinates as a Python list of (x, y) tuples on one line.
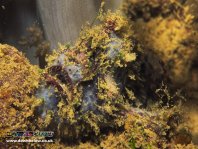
[(93, 88), (80, 146), (166, 27), (144, 129), (105, 91), (18, 82), (190, 146), (169, 28), (192, 120)]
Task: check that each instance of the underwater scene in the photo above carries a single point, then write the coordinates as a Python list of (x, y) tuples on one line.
[(98, 74)]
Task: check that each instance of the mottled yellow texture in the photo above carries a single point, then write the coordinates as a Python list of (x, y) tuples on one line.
[(98, 109), (18, 80), (166, 27), (168, 37), (140, 132), (189, 146), (99, 50)]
